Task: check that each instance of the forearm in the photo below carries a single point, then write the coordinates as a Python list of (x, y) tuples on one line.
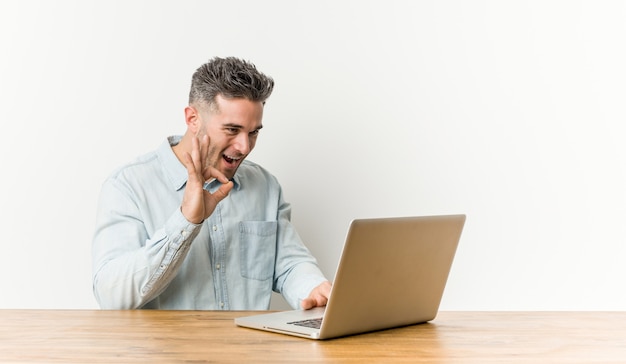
[(301, 280), (296, 270), (128, 278)]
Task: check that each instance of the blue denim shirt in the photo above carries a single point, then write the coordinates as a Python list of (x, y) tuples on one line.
[(147, 255)]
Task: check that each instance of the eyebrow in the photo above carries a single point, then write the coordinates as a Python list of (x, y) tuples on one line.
[(237, 126)]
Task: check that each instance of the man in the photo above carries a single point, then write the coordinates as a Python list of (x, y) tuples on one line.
[(193, 225)]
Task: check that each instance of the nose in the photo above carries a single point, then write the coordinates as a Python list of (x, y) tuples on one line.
[(243, 143)]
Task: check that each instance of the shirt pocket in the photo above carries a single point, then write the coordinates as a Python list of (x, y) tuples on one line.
[(258, 249)]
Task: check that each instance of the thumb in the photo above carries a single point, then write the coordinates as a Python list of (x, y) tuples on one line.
[(223, 191)]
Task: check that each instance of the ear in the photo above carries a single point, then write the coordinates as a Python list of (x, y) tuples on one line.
[(192, 118)]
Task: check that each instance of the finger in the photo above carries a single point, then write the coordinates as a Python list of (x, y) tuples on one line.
[(188, 163), (213, 199), (307, 304), (204, 149), (318, 296), (195, 154), (212, 172), (321, 301), (194, 174), (325, 289), (312, 302), (223, 191)]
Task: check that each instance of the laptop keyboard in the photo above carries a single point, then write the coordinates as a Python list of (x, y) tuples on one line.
[(312, 323)]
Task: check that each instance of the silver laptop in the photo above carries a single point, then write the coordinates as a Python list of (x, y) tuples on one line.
[(392, 273)]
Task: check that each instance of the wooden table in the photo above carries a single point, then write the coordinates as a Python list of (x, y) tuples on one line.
[(144, 336)]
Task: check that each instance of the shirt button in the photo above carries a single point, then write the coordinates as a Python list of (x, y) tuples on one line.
[(222, 304), (214, 227), (218, 266), (185, 234)]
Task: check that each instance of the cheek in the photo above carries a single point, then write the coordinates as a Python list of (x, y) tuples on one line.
[(252, 142), (213, 154)]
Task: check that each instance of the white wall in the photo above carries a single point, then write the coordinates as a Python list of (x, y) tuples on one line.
[(507, 111)]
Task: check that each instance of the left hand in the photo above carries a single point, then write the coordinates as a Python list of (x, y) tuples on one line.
[(318, 296)]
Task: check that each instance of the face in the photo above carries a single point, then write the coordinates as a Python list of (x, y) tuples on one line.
[(233, 129)]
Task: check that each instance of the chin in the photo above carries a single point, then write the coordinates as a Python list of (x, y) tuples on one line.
[(229, 173)]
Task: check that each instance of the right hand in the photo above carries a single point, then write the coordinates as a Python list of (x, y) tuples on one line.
[(198, 204)]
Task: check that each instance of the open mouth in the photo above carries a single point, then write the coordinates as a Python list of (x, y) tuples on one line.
[(231, 160)]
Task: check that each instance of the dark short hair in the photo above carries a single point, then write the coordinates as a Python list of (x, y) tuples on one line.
[(229, 77)]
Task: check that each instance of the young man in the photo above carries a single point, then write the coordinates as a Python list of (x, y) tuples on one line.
[(193, 225)]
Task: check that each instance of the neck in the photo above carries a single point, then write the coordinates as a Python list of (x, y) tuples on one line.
[(183, 147)]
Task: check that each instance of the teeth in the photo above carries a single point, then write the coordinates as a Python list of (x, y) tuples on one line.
[(232, 158)]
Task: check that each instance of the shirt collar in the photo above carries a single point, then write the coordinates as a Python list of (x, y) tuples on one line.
[(175, 170)]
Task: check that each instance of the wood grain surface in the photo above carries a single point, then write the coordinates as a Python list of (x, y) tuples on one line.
[(147, 336)]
